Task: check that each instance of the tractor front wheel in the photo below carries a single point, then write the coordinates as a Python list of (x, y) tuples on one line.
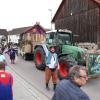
[(39, 58)]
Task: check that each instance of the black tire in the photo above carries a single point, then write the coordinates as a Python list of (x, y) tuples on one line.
[(65, 63), (24, 57), (28, 56), (39, 58)]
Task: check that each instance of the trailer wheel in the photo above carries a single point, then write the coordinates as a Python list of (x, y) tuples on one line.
[(24, 57), (39, 58)]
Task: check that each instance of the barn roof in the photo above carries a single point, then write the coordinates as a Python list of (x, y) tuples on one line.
[(62, 3)]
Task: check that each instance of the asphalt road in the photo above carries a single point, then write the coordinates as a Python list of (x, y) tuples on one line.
[(28, 72)]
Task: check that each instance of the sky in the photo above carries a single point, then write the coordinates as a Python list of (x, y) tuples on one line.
[(23, 13)]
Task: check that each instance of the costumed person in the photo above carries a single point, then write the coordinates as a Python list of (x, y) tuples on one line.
[(51, 68), (6, 82)]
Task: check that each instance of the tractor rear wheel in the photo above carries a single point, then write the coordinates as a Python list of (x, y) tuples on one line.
[(39, 58)]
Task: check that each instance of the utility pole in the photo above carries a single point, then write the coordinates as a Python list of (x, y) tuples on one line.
[(51, 17)]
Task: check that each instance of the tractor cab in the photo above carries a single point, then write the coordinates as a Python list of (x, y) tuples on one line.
[(59, 37)]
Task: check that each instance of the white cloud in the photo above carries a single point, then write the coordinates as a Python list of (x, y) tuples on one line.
[(20, 13)]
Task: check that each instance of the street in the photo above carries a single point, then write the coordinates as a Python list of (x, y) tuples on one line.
[(33, 80)]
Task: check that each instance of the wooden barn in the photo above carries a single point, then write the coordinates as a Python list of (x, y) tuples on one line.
[(82, 17)]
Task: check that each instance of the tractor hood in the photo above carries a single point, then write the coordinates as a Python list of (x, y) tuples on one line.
[(76, 52), (72, 49)]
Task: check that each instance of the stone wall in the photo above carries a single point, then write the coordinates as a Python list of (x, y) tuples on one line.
[(88, 46)]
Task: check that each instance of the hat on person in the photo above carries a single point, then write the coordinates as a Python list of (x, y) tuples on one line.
[(51, 46)]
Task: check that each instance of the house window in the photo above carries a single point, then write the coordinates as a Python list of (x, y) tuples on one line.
[(34, 37)]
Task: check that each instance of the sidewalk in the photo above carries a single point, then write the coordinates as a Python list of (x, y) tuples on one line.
[(24, 91)]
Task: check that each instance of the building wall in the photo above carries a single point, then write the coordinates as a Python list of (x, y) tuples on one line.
[(13, 38), (82, 17), (36, 34)]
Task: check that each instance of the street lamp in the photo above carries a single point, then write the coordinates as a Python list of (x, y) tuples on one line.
[(51, 17)]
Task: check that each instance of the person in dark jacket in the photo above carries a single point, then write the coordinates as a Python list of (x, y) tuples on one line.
[(70, 89), (12, 53)]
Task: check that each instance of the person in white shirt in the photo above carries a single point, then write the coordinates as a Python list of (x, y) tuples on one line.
[(51, 67)]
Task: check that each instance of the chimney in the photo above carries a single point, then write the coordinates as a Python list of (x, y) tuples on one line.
[(37, 23)]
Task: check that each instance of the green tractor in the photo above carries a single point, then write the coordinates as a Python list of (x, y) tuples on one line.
[(68, 53)]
